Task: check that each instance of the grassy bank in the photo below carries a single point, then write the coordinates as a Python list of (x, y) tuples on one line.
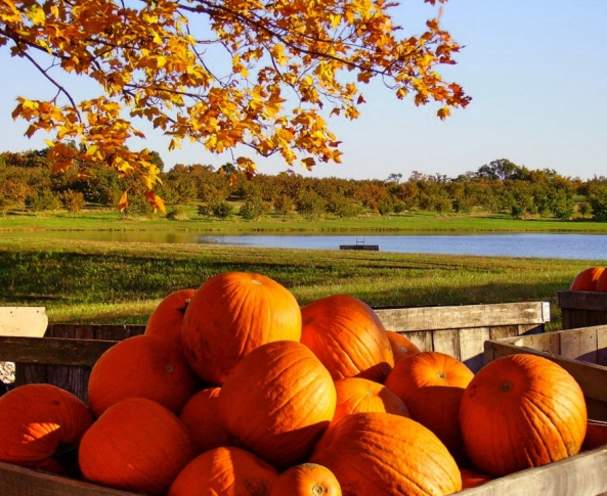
[(122, 282), (105, 220)]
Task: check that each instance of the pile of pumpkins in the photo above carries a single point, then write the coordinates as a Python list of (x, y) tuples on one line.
[(235, 390), (591, 279)]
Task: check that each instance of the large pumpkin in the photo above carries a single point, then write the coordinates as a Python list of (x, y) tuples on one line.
[(401, 345), (231, 315), (601, 283), (431, 384), (200, 415), (35, 419), (140, 367), (225, 472), (356, 395), (376, 454), (348, 338), (277, 401), (166, 320), (307, 479), (137, 445), (522, 411), (587, 280)]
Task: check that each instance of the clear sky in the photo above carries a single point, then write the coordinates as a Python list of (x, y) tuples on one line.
[(537, 72)]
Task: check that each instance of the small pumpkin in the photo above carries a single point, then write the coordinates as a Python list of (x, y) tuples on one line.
[(471, 478), (231, 315), (200, 415), (307, 479), (348, 338), (137, 445), (587, 280), (226, 472), (166, 320), (522, 411), (356, 395), (140, 367), (278, 401), (35, 420), (401, 345), (375, 454), (431, 384)]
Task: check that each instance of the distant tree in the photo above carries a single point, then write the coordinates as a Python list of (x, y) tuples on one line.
[(310, 204), (283, 204)]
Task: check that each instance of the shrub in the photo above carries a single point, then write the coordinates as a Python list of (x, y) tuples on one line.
[(177, 213), (73, 201), (222, 209), (251, 209), (43, 200), (310, 204), (283, 204)]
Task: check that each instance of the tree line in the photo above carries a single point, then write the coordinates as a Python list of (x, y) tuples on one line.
[(501, 186)]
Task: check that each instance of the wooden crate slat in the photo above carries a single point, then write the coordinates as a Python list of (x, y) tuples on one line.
[(582, 308), (53, 351), (581, 475), (464, 316), (23, 321), (19, 481)]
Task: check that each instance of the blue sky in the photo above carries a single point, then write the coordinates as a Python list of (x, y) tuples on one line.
[(537, 72)]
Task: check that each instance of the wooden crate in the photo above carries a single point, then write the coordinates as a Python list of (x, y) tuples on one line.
[(582, 352), (582, 308)]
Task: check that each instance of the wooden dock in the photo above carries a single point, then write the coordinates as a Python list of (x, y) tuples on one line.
[(359, 247)]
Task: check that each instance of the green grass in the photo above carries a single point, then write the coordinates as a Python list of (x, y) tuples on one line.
[(106, 220), (122, 282)]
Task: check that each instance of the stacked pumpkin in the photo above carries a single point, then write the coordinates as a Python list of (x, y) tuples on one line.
[(591, 279), (235, 390)]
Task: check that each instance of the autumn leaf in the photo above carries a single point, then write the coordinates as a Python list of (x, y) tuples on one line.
[(123, 203)]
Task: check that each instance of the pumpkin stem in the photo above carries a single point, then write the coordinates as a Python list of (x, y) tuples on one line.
[(318, 490), (505, 387)]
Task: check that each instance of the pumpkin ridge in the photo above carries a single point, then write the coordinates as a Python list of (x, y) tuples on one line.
[(332, 343), (553, 426)]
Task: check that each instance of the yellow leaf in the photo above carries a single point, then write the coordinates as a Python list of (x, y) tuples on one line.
[(36, 15), (123, 203)]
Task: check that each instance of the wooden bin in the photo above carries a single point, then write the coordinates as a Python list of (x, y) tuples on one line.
[(582, 308)]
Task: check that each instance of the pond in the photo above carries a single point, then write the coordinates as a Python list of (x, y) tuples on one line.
[(572, 246)]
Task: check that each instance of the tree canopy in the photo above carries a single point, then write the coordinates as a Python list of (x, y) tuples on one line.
[(228, 74)]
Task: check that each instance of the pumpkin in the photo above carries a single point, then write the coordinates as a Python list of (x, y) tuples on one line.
[(431, 384), (231, 315), (277, 401), (470, 478), (375, 454), (596, 434), (35, 420), (401, 345), (348, 338), (601, 283), (587, 279), (200, 416), (308, 479), (137, 445), (142, 367), (356, 395), (225, 472), (166, 320), (521, 411)]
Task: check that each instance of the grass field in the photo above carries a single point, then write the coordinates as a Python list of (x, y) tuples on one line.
[(105, 220), (122, 282)]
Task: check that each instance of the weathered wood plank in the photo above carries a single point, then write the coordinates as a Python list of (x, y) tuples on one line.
[(583, 300), (53, 351), (581, 475), (421, 339), (19, 481), (23, 321), (447, 342), (579, 345), (471, 346), (465, 316)]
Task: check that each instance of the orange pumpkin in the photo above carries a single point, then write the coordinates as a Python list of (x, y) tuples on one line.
[(431, 384), (587, 279), (522, 411), (601, 283), (200, 415), (140, 367), (596, 434), (166, 320), (375, 454), (35, 419), (225, 472), (231, 315), (277, 401), (308, 479), (356, 395), (348, 338), (401, 345), (137, 445), (470, 478)]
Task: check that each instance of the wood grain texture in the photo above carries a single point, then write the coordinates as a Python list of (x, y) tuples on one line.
[(53, 351), (465, 316), (581, 475), (582, 308), (19, 481)]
